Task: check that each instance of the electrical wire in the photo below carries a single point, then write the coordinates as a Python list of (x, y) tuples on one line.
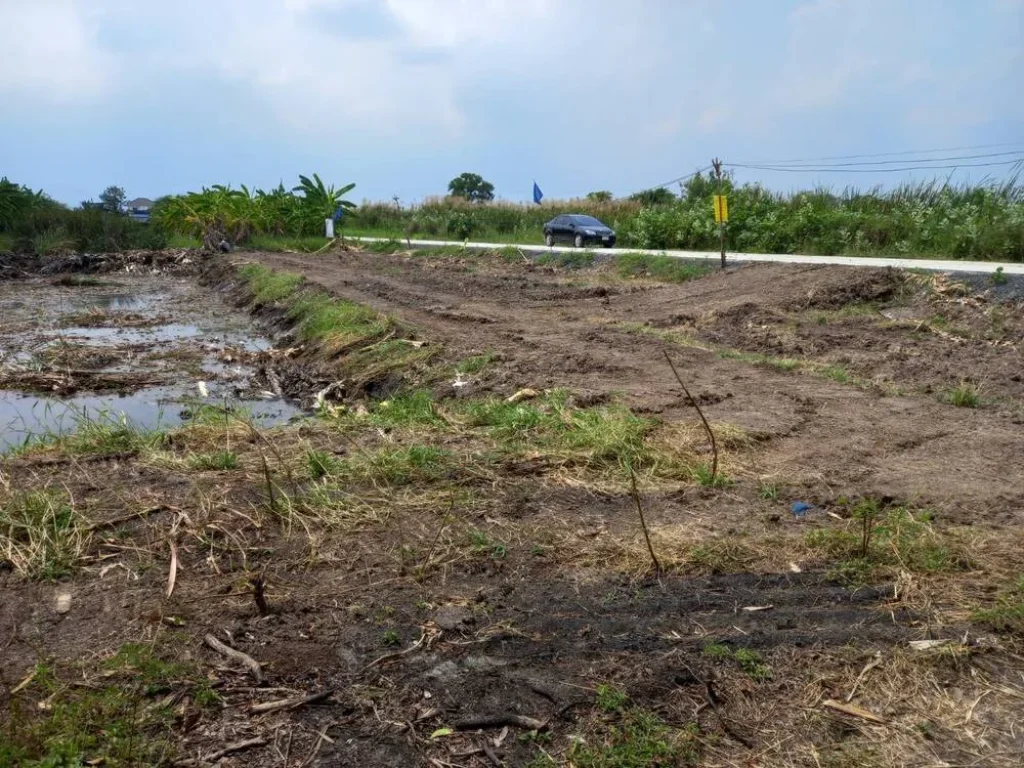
[(682, 178), (889, 154), (833, 169), (903, 162)]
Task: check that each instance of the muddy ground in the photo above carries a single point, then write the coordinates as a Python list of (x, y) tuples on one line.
[(498, 606)]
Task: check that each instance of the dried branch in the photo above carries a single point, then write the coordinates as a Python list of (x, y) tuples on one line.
[(643, 522), (707, 427)]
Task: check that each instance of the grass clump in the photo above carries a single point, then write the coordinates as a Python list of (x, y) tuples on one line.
[(964, 395), (218, 461), (126, 719), (275, 244), (611, 698), (877, 541), (567, 260), (1008, 614), (637, 739), (398, 466), (482, 544), (475, 364), (705, 479), (42, 535), (268, 286), (750, 661), (320, 464), (336, 321), (664, 268), (413, 409)]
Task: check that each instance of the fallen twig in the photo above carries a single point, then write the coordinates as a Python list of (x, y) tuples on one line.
[(707, 427), (230, 749), (244, 658), (867, 668), (172, 575), (292, 703), (498, 721), (128, 518), (854, 710)]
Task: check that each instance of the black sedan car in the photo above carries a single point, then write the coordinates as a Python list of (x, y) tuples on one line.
[(578, 229)]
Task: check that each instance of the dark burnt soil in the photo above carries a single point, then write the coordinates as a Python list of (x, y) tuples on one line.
[(551, 328)]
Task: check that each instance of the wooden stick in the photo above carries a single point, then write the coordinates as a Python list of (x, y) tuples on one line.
[(498, 721), (707, 427), (244, 658), (643, 522), (298, 701), (238, 746)]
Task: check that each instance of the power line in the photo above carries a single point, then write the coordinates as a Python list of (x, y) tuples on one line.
[(682, 178), (890, 154), (904, 162), (836, 169)]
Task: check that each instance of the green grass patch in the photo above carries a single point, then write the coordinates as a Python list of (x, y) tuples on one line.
[(877, 541), (335, 321), (964, 395), (667, 269), (1007, 615), (268, 286), (412, 409), (397, 466), (126, 716), (636, 738), (750, 661), (320, 464), (183, 241), (218, 461), (702, 474), (475, 364), (383, 246), (6, 242), (567, 259), (42, 535)]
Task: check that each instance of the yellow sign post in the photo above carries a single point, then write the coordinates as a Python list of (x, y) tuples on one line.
[(721, 209)]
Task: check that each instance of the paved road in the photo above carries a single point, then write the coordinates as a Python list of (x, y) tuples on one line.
[(938, 265)]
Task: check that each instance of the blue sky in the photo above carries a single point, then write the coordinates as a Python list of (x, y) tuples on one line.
[(399, 96)]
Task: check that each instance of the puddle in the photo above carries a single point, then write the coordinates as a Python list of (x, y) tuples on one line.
[(178, 354)]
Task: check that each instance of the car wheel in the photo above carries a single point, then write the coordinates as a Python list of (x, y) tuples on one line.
[(578, 241), (549, 239)]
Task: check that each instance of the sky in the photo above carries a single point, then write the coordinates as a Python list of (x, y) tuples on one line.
[(399, 96)]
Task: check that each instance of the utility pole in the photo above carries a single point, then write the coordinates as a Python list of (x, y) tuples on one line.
[(721, 206)]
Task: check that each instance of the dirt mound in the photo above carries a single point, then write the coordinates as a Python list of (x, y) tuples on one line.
[(849, 288)]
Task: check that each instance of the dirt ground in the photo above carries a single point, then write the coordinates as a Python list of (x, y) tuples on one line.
[(502, 610)]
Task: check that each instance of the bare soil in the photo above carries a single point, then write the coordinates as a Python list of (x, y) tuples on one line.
[(450, 662)]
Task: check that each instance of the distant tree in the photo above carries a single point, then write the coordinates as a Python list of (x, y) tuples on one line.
[(472, 187), (114, 199), (656, 196), (601, 196)]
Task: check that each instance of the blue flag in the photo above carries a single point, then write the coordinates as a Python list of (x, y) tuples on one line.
[(537, 194)]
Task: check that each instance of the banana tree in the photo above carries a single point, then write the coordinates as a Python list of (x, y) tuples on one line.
[(320, 201)]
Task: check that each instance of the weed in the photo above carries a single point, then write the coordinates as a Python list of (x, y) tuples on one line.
[(337, 322), (768, 491), (320, 464), (748, 660), (118, 722), (999, 277), (407, 410), (42, 535), (834, 372), (964, 395), (1008, 614), (611, 698), (706, 479), (220, 461), (278, 244), (884, 540), (268, 286), (383, 246), (483, 544), (567, 260), (639, 739), (665, 268), (398, 466), (391, 638), (476, 363)]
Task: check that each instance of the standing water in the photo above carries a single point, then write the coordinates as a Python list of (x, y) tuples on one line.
[(147, 351)]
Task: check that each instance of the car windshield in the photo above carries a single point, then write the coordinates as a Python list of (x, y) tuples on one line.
[(587, 221)]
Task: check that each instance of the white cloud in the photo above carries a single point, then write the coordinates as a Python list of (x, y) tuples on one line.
[(50, 53)]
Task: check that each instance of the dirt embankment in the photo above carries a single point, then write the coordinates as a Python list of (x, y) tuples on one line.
[(884, 428)]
